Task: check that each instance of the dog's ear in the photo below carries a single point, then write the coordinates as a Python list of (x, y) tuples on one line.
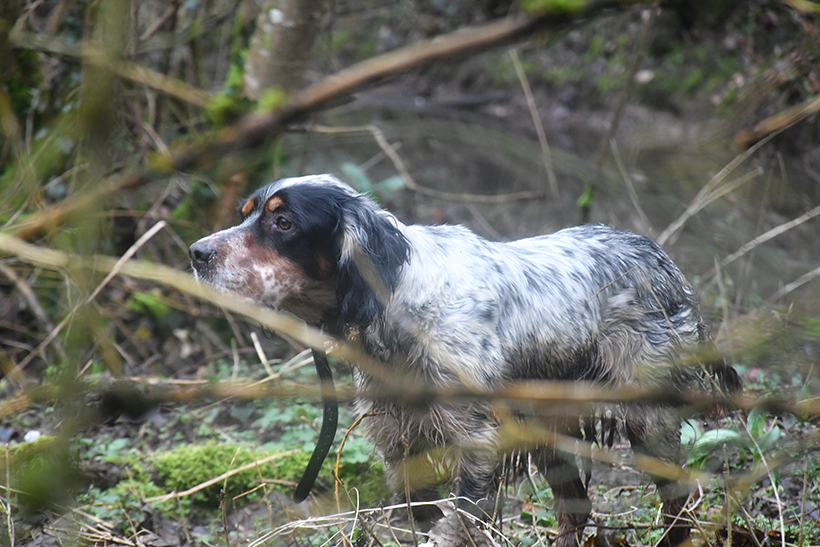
[(373, 251)]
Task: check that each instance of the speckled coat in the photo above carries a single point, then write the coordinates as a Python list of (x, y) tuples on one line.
[(447, 308)]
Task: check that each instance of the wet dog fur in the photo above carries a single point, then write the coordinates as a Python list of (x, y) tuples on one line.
[(449, 309)]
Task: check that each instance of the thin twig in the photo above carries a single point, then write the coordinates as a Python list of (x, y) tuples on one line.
[(132, 250), (261, 354), (338, 466), (339, 453), (700, 200), (724, 301), (546, 155), (797, 283), (763, 238), (122, 68), (630, 188), (7, 505), (599, 291), (275, 321), (465, 529), (708, 194), (640, 50), (390, 151), (778, 122), (34, 303), (224, 495), (407, 497), (772, 479), (801, 526), (113, 271), (483, 223)]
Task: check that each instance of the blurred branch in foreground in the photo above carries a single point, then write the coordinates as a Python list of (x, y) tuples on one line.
[(392, 386), (777, 123), (558, 398), (136, 397)]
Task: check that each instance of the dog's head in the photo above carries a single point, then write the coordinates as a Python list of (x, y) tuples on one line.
[(308, 245)]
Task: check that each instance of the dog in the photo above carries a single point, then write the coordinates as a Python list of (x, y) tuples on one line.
[(447, 308)]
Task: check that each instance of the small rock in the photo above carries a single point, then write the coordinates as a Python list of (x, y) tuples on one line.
[(32, 436)]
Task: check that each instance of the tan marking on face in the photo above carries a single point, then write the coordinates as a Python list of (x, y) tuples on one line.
[(266, 277), (261, 275), (273, 204), (247, 208), (325, 266)]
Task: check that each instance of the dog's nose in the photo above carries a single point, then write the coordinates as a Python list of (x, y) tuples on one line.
[(201, 255)]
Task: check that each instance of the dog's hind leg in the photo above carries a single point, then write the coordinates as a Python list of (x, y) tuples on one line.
[(572, 504), (412, 475), (655, 431), (477, 484)]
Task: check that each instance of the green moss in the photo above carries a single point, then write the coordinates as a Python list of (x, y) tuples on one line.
[(595, 49), (609, 82), (340, 38), (148, 304), (43, 472), (190, 465), (368, 479), (560, 75), (270, 100), (692, 80), (540, 7), (26, 78), (225, 107), (137, 489), (159, 162)]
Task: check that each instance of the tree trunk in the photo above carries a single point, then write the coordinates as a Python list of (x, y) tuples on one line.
[(281, 45)]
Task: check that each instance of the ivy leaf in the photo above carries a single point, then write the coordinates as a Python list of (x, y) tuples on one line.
[(711, 441)]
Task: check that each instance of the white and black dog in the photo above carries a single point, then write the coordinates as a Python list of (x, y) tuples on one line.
[(450, 309)]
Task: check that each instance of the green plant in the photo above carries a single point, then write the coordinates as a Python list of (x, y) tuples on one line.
[(122, 505), (756, 442)]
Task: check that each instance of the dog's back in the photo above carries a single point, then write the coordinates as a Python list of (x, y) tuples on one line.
[(585, 303)]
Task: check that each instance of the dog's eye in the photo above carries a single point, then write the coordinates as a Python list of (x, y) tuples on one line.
[(283, 223)]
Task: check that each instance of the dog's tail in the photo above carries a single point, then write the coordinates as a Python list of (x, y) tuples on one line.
[(715, 375), (718, 380), (724, 377)]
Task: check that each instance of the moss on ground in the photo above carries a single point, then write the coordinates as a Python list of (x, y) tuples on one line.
[(187, 466), (40, 472)]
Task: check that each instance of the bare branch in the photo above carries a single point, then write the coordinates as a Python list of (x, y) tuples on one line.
[(778, 122)]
